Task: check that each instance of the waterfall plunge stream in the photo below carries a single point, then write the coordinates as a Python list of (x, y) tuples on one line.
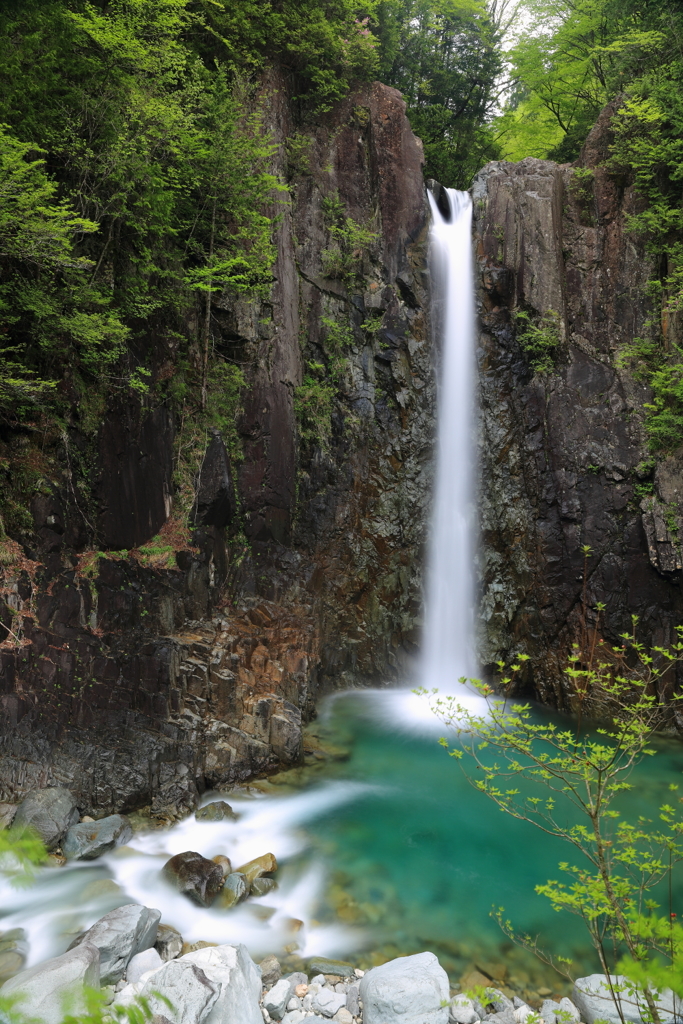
[(448, 639), (64, 901)]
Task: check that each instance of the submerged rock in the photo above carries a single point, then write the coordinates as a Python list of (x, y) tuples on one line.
[(49, 812), (44, 988), (321, 965), (89, 840), (194, 876), (409, 990), (235, 889), (13, 952), (217, 811), (262, 886), (119, 935)]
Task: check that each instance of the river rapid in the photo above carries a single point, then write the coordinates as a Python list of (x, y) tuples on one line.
[(384, 848)]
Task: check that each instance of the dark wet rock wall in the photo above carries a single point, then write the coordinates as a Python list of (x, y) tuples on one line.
[(564, 454)]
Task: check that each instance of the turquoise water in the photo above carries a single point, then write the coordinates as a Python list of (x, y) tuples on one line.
[(419, 859)]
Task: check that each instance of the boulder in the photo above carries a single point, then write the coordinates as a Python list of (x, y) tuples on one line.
[(523, 1012), (409, 990), (327, 1002), (548, 1011), (169, 943), (195, 877), (119, 935), (89, 840), (569, 1013), (321, 965), (263, 865), (271, 972), (181, 983), (235, 889), (352, 1004), (276, 999), (593, 1000), (462, 1010), (13, 952), (232, 970), (343, 1016), (217, 811), (44, 989), (141, 963), (49, 812)]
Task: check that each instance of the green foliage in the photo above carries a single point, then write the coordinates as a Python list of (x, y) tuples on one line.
[(350, 243), (539, 339), (21, 851), (444, 56), (164, 156), (87, 1005), (313, 404), (568, 784), (338, 339)]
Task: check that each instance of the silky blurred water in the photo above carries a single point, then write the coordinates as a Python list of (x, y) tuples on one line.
[(389, 851)]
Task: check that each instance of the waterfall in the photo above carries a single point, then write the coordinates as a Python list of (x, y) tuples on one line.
[(448, 638)]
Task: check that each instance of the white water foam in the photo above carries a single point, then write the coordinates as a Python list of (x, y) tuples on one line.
[(63, 902)]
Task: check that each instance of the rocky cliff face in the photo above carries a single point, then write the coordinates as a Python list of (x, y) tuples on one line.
[(133, 680), (564, 456)]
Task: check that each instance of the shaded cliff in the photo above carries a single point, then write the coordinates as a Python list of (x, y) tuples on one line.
[(564, 454), (143, 661)]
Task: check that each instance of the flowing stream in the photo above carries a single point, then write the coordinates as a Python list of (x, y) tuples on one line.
[(385, 849)]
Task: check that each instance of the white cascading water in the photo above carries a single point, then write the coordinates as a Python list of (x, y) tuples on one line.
[(448, 638), (64, 902)]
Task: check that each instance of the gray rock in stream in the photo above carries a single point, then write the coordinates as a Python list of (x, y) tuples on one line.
[(91, 839), (44, 988), (49, 812), (408, 990), (119, 935)]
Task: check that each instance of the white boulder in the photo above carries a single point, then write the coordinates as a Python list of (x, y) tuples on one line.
[(141, 963), (409, 990), (462, 1010), (54, 987), (181, 984), (594, 1001), (232, 969)]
